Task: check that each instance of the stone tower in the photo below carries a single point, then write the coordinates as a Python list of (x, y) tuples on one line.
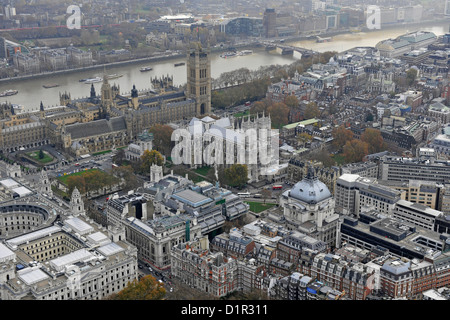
[(41, 111), (44, 184), (13, 170), (134, 97), (65, 137), (199, 79), (115, 89), (92, 94), (155, 173), (76, 203), (106, 97), (64, 98)]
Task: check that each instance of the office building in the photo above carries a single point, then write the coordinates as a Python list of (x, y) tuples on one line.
[(61, 257), (394, 168), (403, 239), (355, 194), (416, 213)]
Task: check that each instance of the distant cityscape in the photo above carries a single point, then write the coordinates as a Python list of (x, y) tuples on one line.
[(355, 205), (35, 38)]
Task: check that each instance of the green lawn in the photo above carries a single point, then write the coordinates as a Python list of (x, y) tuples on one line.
[(101, 152), (339, 158), (258, 207), (203, 170), (35, 156), (63, 179), (241, 114)]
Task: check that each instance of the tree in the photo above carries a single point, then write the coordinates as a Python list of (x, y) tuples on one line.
[(279, 114), (340, 136), (90, 180), (411, 75), (236, 175), (280, 74), (326, 56), (374, 139), (77, 181), (324, 157), (162, 138), (127, 174), (291, 101), (148, 288), (266, 194), (149, 158), (311, 111), (303, 138), (258, 107), (119, 157), (41, 154), (86, 37), (355, 150), (369, 117)]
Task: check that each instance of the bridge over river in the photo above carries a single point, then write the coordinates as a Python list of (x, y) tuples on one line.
[(289, 50)]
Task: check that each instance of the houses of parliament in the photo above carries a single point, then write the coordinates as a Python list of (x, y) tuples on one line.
[(109, 119)]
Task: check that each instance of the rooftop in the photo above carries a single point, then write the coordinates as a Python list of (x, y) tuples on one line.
[(191, 198), (419, 207)]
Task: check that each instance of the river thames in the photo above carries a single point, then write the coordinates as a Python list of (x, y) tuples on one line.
[(31, 92)]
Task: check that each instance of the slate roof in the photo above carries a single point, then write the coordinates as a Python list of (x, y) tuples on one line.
[(149, 100), (97, 127)]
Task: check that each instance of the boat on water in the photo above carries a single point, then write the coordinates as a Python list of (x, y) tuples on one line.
[(50, 85), (179, 64), (8, 92), (93, 80), (321, 40), (113, 76), (229, 54), (245, 52), (144, 69)]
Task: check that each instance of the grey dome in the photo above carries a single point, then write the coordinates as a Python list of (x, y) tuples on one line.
[(310, 190)]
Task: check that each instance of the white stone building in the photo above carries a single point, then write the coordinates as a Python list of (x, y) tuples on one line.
[(309, 208)]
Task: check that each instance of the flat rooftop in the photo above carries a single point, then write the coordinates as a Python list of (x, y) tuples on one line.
[(419, 207), (191, 198)]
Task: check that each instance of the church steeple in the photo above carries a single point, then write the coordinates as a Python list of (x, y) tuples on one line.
[(134, 97), (134, 92), (41, 111), (93, 94)]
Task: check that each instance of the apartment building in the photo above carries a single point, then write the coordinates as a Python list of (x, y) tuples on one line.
[(396, 278), (212, 273)]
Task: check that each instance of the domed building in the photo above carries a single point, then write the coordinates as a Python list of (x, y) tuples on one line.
[(309, 208)]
